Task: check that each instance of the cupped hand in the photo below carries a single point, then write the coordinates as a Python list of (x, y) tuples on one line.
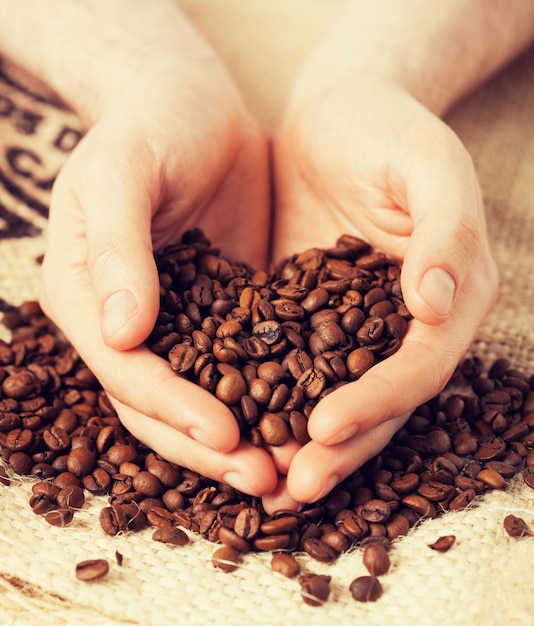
[(170, 150), (364, 157)]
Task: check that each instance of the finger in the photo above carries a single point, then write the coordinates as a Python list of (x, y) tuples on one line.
[(246, 468), (283, 455), (138, 377), (444, 201), (280, 499), (317, 469), (116, 190), (392, 387)]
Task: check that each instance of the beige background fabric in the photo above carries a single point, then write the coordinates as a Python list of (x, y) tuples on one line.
[(485, 579)]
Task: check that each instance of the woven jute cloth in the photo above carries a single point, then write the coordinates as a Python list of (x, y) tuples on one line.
[(485, 579)]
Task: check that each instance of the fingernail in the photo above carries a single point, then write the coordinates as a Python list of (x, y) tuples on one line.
[(237, 481), (117, 310), (437, 289)]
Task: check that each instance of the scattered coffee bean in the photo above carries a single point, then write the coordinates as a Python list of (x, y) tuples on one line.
[(61, 517), (285, 564), (314, 588), (516, 526), (366, 589), (376, 559), (4, 478), (92, 570), (442, 544), (172, 535), (226, 559)]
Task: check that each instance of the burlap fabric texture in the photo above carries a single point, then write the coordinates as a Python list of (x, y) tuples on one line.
[(486, 579)]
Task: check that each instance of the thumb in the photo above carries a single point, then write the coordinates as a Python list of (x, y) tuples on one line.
[(448, 231), (114, 193)]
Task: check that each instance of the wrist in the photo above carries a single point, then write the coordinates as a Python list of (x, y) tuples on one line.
[(90, 52), (435, 52)]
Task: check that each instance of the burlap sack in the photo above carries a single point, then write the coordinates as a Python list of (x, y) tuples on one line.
[(485, 579)]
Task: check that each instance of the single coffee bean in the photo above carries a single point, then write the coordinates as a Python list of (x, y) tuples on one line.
[(171, 535), (271, 543), (314, 588), (92, 570), (59, 517), (233, 540), (113, 520), (70, 497), (442, 544), (359, 361), (516, 526), (226, 558), (366, 589), (492, 479), (247, 523), (274, 429), (285, 564), (376, 559), (319, 550), (375, 511), (4, 478)]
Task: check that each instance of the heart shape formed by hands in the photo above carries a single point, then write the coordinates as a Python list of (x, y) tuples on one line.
[(271, 345)]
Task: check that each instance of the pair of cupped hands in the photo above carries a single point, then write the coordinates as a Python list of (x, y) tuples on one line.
[(171, 146)]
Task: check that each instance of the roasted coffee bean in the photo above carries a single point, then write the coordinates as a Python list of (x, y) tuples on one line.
[(70, 497), (442, 544), (516, 526), (285, 564), (113, 520), (319, 550), (247, 523), (366, 589), (420, 505), (92, 570), (271, 543), (274, 429), (233, 540), (182, 357), (375, 511), (41, 503), (80, 461), (376, 559), (359, 361), (59, 517), (492, 479), (4, 478), (171, 535), (97, 482), (20, 463), (56, 439), (314, 588), (226, 558)]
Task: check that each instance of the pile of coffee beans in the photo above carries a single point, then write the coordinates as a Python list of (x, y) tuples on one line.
[(270, 347)]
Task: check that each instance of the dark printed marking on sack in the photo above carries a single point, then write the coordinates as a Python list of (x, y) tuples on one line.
[(37, 133)]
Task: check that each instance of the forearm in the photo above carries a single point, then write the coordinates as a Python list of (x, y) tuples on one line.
[(88, 50), (438, 51)]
